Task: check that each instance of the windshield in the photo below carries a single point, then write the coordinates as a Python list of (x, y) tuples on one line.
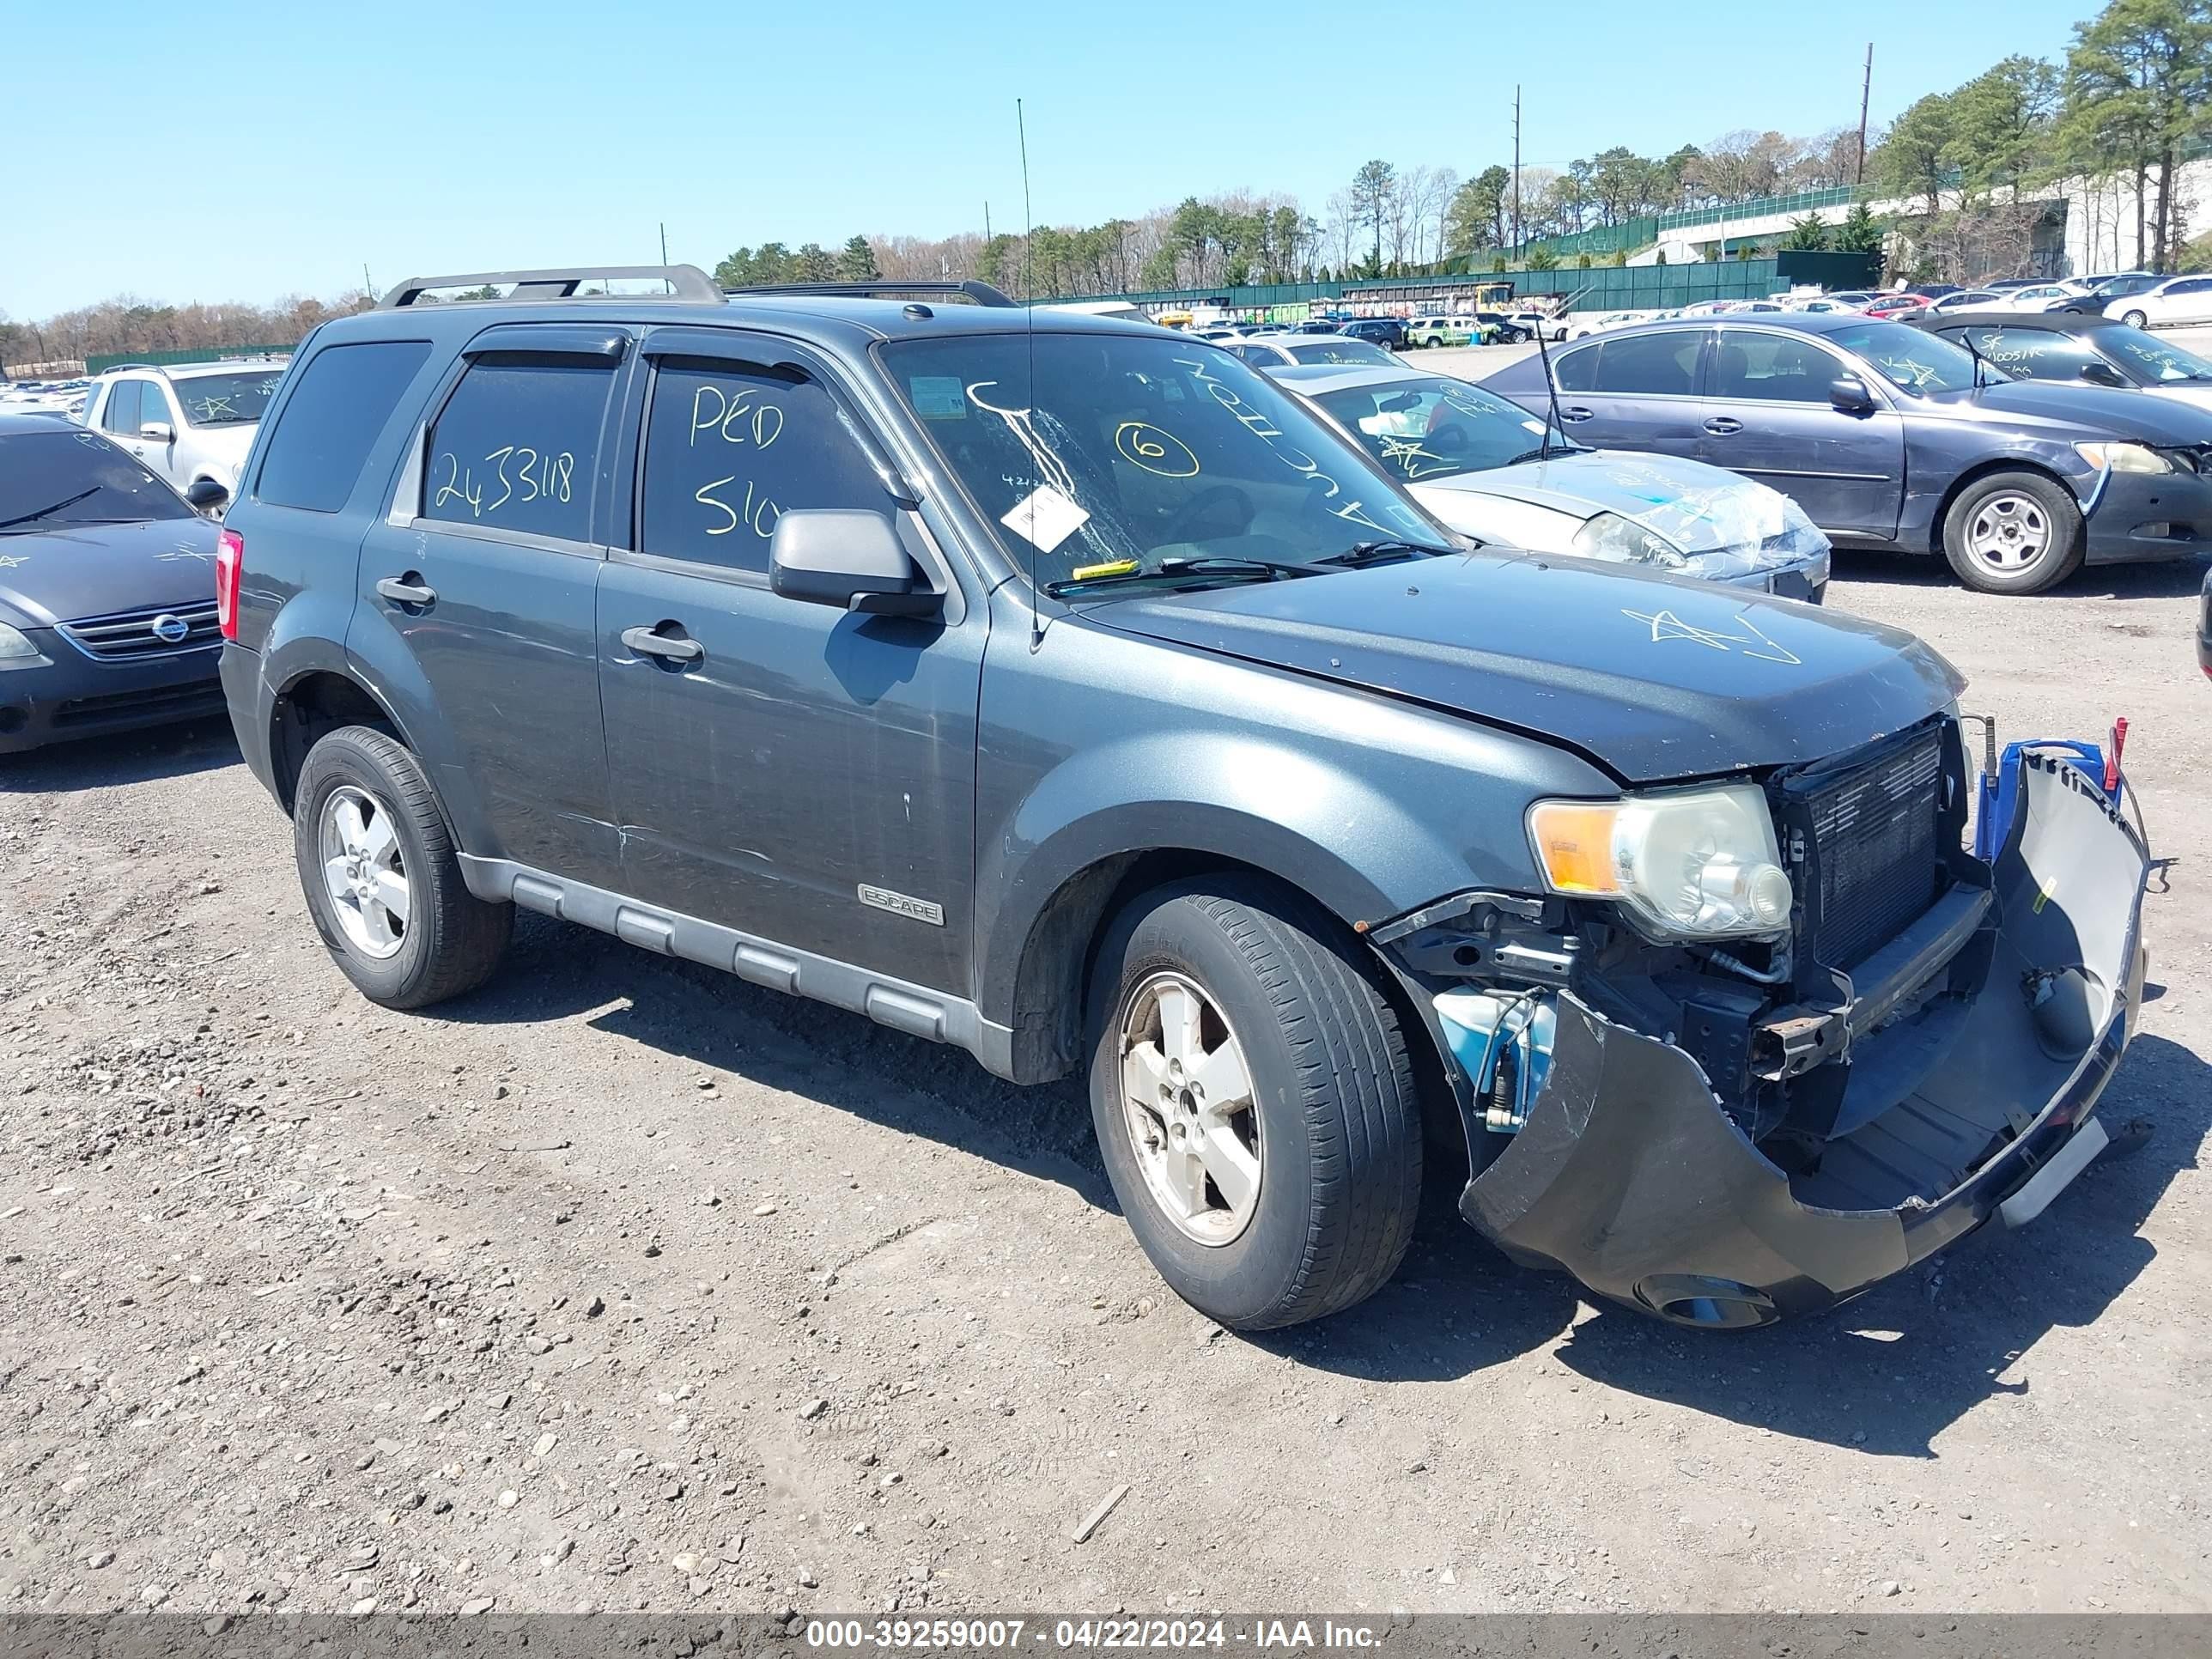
[(227, 399), (1908, 358), (2121, 285), (2146, 354), (1132, 452), (1435, 427), (1347, 351), (68, 477)]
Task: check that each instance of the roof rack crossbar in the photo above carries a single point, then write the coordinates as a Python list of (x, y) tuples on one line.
[(687, 284), (974, 293)]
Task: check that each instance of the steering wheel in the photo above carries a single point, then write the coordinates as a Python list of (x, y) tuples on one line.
[(1206, 510)]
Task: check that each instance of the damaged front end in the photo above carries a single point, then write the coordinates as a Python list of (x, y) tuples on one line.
[(1724, 1137)]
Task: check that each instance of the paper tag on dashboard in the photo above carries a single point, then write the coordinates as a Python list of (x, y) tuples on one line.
[(1046, 518)]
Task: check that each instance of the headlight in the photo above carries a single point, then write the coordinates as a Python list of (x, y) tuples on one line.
[(2124, 458), (14, 643), (1699, 865), (1609, 536)]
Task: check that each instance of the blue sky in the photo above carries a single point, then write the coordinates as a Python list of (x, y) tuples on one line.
[(272, 148)]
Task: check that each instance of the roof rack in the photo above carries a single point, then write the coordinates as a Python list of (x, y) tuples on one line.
[(687, 284), (980, 294)]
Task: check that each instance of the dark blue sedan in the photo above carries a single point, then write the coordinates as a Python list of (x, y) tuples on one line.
[(108, 618)]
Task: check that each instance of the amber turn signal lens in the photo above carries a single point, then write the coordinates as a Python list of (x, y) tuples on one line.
[(1574, 840)]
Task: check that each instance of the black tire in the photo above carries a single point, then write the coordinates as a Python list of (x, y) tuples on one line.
[(1335, 1106), (452, 940), (2040, 506), (2133, 318)]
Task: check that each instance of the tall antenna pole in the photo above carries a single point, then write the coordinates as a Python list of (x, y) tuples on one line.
[(1866, 93), (1028, 290), (1516, 170)]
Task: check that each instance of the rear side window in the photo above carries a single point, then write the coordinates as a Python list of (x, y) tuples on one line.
[(345, 395), (730, 448), (516, 444), (1649, 365)]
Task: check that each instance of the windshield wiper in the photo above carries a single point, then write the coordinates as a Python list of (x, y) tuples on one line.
[(1361, 553), (48, 511), (1200, 565)]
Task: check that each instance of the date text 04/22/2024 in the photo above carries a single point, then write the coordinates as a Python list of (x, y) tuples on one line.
[(1267, 1635)]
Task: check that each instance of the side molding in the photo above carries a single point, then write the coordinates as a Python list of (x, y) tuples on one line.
[(914, 1009)]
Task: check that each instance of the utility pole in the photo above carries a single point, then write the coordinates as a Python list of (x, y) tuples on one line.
[(1866, 91), (366, 286), (1516, 170), (986, 223), (663, 241)]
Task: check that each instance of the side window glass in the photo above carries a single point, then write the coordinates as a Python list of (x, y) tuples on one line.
[(1652, 365), (153, 405), (1776, 368), (1577, 371), (516, 445), (345, 396), (121, 414), (730, 448)]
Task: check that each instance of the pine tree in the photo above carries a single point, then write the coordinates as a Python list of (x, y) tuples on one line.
[(857, 264)]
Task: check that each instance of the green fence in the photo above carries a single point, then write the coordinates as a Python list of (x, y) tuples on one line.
[(101, 362), (1602, 288)]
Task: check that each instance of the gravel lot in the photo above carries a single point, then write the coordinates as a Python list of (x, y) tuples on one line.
[(622, 1284)]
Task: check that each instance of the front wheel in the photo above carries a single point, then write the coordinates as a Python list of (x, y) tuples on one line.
[(1254, 1101), (2133, 318), (2015, 532), (382, 878)]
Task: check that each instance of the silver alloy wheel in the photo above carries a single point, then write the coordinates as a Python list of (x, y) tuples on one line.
[(1186, 1103), (364, 872), (2009, 532)]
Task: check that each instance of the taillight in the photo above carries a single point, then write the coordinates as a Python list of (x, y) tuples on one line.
[(229, 564)]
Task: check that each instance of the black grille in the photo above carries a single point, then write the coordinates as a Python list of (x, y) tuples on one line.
[(127, 635), (1875, 864)]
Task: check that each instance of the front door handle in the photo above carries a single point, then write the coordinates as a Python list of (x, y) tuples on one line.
[(1575, 412), (410, 589), (674, 648), (1722, 425)]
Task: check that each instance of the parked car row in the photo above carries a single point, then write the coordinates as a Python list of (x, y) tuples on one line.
[(1894, 436)]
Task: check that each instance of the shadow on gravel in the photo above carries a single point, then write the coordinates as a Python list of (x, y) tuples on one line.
[(2164, 580), (166, 752), (1889, 1372), (845, 1062)]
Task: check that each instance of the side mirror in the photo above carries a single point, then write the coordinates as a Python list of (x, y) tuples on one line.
[(158, 432), (848, 557), (1850, 395), (2100, 374), (206, 494)]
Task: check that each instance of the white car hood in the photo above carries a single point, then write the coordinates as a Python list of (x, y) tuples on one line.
[(2196, 393), (1700, 509)]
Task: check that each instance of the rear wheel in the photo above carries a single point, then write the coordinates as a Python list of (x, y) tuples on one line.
[(2013, 533), (382, 878), (1253, 1102)]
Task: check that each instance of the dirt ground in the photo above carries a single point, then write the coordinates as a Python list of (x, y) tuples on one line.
[(623, 1284)]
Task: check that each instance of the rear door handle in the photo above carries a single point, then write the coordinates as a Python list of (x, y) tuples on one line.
[(1575, 412), (1722, 425), (410, 589), (648, 643)]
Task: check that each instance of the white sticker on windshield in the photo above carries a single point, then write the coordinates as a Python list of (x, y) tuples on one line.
[(939, 397), (1046, 518)]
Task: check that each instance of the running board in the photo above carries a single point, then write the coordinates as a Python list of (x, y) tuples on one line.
[(914, 1009)]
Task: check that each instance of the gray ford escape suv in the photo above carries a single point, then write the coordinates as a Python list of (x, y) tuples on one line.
[(1062, 689)]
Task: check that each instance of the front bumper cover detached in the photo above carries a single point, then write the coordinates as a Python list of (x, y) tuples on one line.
[(1628, 1175)]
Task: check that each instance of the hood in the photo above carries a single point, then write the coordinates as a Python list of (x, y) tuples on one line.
[(226, 445), (1654, 677), (94, 569), (2092, 411), (1700, 509)]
